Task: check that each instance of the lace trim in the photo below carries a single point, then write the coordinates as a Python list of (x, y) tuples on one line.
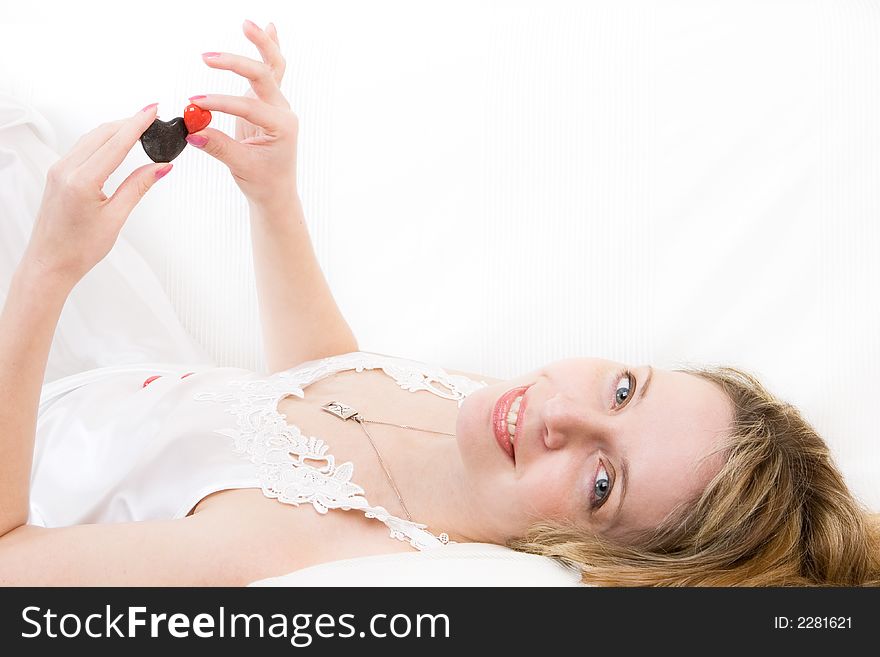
[(273, 446), (409, 374)]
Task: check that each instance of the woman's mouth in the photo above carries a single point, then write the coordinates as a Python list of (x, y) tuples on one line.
[(507, 419)]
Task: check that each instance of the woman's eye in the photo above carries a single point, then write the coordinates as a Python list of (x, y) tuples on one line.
[(623, 393), (602, 486)]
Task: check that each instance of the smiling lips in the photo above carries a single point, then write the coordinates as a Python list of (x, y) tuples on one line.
[(499, 419)]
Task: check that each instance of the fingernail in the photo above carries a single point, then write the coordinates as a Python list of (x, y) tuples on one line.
[(197, 140), (161, 172), (197, 97), (251, 23), (210, 55), (149, 107)]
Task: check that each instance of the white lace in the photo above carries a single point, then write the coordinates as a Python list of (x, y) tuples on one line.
[(274, 446)]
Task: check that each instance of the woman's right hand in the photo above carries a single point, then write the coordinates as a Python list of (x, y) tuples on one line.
[(262, 157)]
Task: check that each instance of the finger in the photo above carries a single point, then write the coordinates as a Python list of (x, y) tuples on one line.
[(133, 189), (87, 144), (279, 72), (219, 145), (269, 48), (260, 75), (271, 119), (108, 156), (272, 31)]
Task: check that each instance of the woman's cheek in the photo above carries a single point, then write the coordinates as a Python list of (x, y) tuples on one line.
[(554, 493)]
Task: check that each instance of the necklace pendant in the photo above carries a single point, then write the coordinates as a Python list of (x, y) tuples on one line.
[(340, 410)]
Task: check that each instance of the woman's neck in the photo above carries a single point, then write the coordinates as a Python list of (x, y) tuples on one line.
[(428, 472)]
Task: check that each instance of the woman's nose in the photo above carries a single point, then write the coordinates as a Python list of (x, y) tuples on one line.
[(567, 419)]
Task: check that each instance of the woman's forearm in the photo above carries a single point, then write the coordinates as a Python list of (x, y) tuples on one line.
[(27, 326), (298, 314)]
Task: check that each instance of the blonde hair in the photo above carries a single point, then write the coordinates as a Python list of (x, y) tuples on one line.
[(778, 513)]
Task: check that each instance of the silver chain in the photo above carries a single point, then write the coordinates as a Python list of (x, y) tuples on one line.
[(345, 412), (403, 426), (382, 462)]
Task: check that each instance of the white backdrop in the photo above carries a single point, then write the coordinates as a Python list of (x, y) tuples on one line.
[(494, 185)]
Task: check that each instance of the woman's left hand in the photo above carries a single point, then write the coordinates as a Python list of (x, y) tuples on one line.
[(77, 225)]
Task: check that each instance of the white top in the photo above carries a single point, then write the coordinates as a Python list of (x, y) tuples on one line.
[(109, 449)]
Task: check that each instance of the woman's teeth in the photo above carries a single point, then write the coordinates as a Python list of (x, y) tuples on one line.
[(512, 416)]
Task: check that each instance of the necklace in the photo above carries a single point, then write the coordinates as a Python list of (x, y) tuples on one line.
[(345, 412)]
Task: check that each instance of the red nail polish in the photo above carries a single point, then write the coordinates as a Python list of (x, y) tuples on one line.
[(161, 172)]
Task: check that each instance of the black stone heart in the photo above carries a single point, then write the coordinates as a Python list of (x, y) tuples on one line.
[(164, 141)]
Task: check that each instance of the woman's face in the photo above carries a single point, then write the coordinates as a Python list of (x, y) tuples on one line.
[(609, 451)]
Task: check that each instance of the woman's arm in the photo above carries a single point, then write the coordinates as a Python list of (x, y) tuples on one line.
[(213, 548), (298, 314), (27, 326), (75, 228)]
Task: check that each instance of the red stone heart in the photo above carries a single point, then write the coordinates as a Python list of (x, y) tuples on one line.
[(196, 118)]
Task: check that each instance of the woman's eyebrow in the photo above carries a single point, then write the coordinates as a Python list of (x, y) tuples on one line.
[(624, 477), (643, 390)]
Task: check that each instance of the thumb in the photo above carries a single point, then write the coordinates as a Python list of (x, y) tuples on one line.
[(133, 188), (217, 144)]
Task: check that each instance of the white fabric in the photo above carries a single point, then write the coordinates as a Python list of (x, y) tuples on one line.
[(459, 564), (108, 449), (111, 447), (284, 456)]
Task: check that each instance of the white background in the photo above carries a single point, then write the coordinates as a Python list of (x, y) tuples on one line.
[(491, 186)]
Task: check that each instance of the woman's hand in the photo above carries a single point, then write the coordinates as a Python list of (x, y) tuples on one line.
[(262, 157), (77, 225)]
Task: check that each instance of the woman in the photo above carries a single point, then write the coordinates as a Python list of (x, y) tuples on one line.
[(635, 475)]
